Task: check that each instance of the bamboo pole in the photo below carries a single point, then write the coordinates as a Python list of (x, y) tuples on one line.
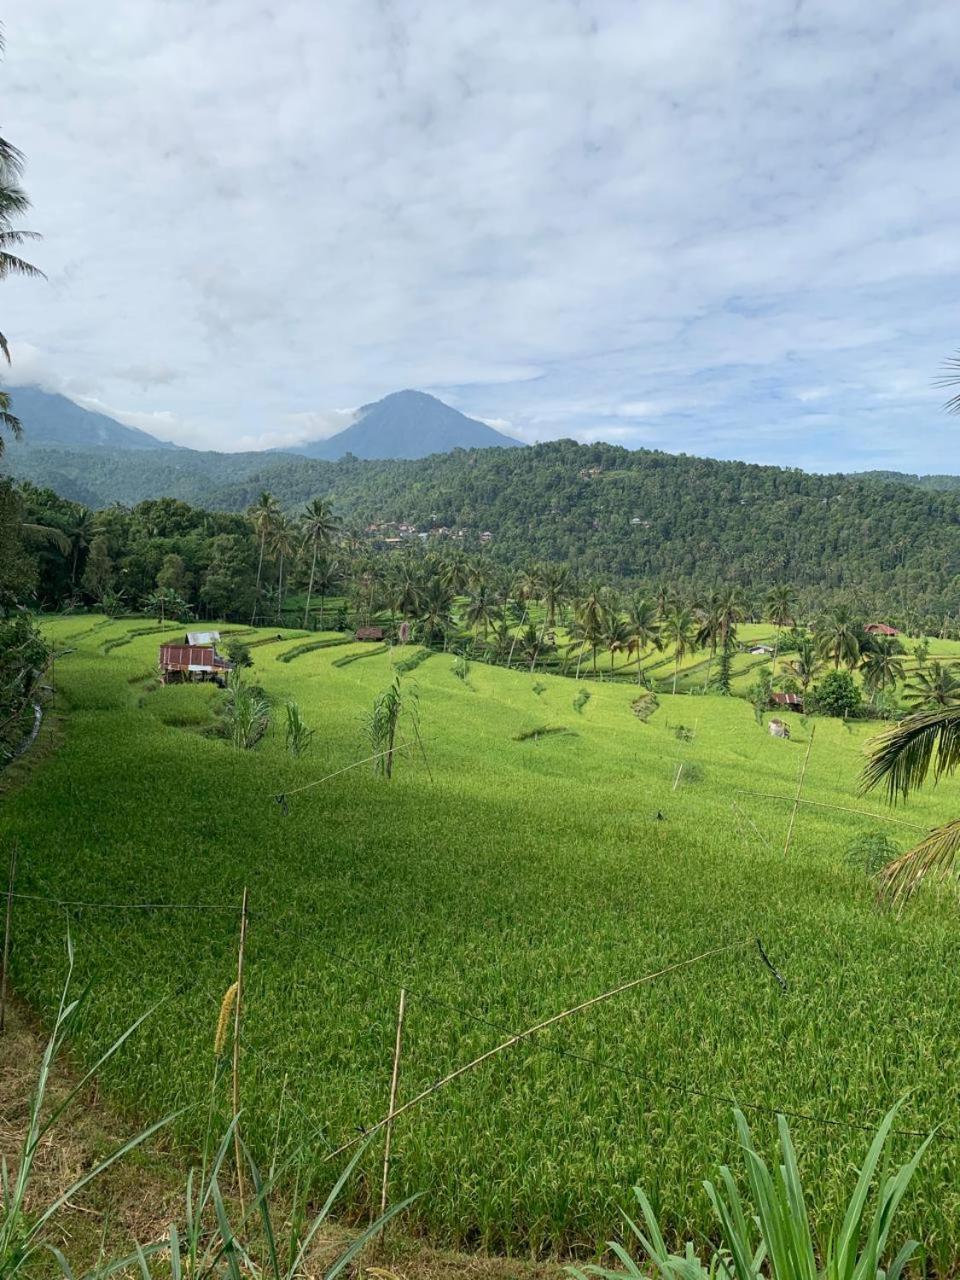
[(676, 781), (7, 926), (235, 1072), (796, 802), (525, 1035), (840, 808), (394, 1080)]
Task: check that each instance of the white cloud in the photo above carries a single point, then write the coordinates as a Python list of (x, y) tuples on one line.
[(676, 223)]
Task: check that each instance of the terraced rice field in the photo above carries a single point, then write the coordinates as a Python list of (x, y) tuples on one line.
[(509, 876)]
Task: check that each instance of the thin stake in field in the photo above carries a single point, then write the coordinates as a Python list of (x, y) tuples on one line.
[(525, 1035), (796, 802), (394, 1081), (235, 1071), (838, 808), (7, 926)]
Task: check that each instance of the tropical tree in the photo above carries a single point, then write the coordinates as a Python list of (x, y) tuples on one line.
[(643, 628), (319, 527), (840, 637), (553, 587), (616, 633), (14, 203), (588, 625), (932, 687), (404, 589), (483, 607), (435, 611), (678, 630), (780, 608), (263, 516), (882, 663), (283, 545), (806, 663)]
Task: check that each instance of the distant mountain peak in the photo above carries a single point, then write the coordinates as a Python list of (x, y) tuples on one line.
[(406, 424), (52, 421)]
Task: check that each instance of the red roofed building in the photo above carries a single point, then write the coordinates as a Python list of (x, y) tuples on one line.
[(791, 701), (880, 629), (197, 659)]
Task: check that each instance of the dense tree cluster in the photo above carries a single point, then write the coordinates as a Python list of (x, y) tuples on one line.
[(623, 516)]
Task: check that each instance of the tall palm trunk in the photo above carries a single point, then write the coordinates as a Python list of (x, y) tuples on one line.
[(313, 569), (256, 597), (280, 589), (676, 670)]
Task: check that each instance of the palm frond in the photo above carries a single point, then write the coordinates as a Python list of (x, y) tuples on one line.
[(900, 757), (47, 535), (935, 855), (5, 348), (950, 378), (11, 265)]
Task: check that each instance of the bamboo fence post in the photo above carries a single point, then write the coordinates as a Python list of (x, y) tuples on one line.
[(8, 923), (394, 1080), (796, 802), (235, 1073), (676, 781)]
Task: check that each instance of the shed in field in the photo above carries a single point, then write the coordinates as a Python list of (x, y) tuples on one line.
[(790, 701), (880, 629), (369, 633), (193, 662)]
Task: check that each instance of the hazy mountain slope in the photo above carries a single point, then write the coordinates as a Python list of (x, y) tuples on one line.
[(407, 424), (53, 421)]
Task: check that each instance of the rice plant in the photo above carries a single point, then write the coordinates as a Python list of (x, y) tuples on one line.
[(384, 720)]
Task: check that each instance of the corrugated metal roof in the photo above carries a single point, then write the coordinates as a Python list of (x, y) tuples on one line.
[(202, 637)]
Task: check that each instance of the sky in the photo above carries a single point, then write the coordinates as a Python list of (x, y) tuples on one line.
[(721, 227)]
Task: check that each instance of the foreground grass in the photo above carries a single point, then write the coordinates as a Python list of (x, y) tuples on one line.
[(523, 877)]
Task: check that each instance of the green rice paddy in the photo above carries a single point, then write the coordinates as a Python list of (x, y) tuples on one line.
[(504, 879)]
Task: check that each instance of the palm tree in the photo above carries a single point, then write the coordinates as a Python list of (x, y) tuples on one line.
[(616, 634), (932, 687), (482, 607), (81, 534), (283, 544), (678, 630), (780, 607), (643, 628), (882, 663), (319, 526), (14, 203), (434, 610), (589, 621), (839, 636), (807, 664), (263, 516), (709, 630), (900, 760), (553, 586)]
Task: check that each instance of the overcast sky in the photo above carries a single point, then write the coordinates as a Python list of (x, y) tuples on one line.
[(726, 228)]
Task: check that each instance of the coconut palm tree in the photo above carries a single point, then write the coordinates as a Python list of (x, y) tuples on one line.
[(643, 628), (483, 607), (319, 527), (900, 760), (780, 608), (882, 663), (806, 664), (932, 687), (283, 545), (678, 630), (14, 203), (434, 610), (263, 516), (840, 636), (589, 622), (553, 588)]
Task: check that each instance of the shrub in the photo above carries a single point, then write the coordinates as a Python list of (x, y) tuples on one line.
[(299, 736), (871, 853), (838, 694), (247, 712), (239, 653)]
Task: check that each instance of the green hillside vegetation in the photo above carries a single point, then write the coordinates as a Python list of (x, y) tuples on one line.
[(616, 514), (587, 858)]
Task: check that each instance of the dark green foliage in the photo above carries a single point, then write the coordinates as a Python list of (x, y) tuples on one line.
[(837, 694), (543, 731), (871, 853), (701, 521), (239, 653), (581, 700)]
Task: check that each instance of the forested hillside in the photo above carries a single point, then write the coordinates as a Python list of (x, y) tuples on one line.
[(607, 511)]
